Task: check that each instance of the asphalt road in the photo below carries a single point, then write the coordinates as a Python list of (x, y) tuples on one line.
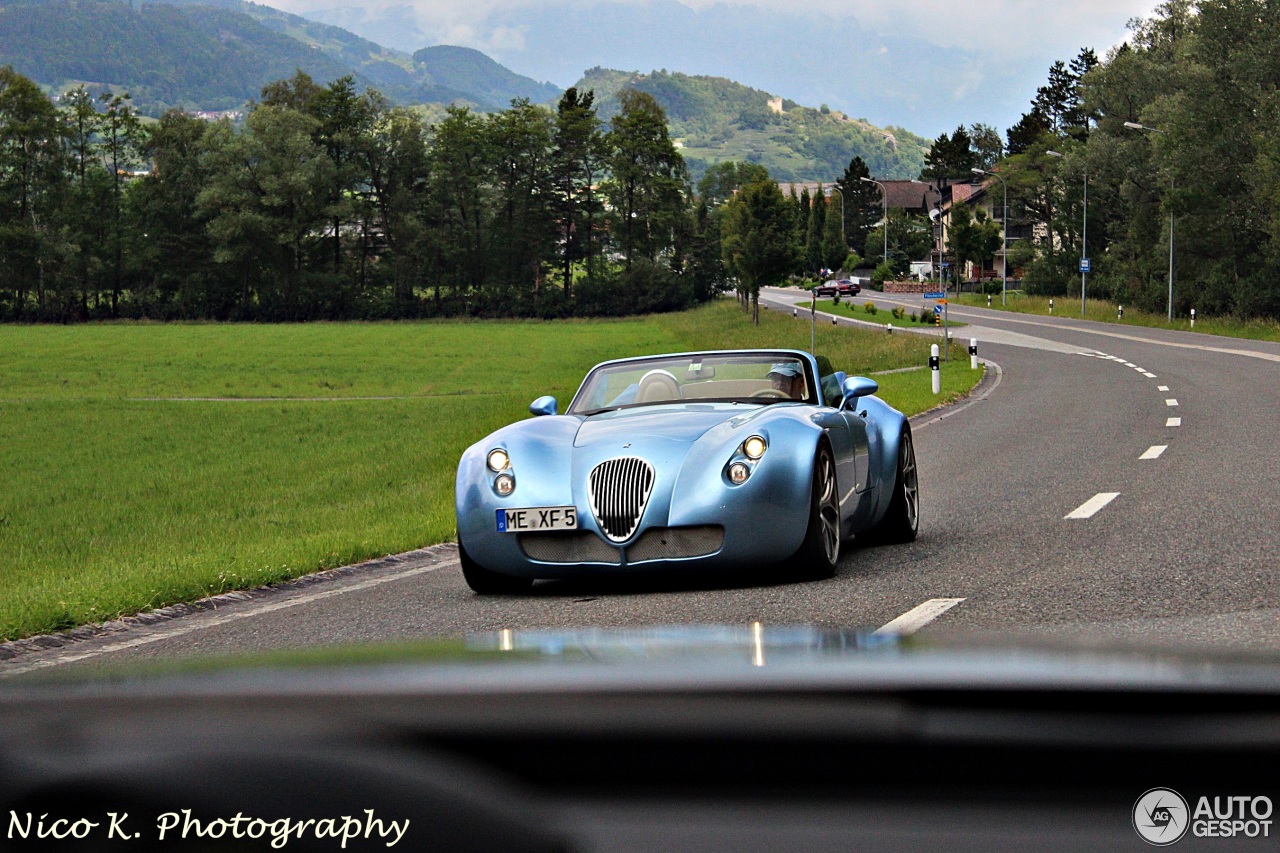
[(1185, 553)]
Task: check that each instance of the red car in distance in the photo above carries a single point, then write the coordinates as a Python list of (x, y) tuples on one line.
[(833, 287)]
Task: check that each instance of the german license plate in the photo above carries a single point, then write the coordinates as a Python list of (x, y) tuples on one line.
[(537, 518)]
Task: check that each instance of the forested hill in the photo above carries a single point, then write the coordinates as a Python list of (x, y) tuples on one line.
[(717, 119), (218, 54)]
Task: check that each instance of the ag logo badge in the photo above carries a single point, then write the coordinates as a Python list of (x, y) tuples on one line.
[(1161, 816)]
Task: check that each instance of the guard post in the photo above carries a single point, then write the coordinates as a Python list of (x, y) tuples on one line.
[(935, 369), (973, 353)]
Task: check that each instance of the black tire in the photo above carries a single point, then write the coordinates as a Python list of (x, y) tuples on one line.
[(819, 554), (484, 582), (902, 520)]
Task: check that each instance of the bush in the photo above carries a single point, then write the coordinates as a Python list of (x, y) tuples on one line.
[(835, 298), (870, 308), (898, 313)]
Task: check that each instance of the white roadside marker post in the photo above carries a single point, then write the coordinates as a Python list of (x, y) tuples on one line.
[(1120, 314), (889, 326), (1050, 306), (973, 353), (935, 369), (1193, 318), (988, 300)]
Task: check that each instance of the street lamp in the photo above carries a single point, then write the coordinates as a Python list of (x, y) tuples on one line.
[(1133, 125), (1004, 236), (884, 194), (1084, 234)]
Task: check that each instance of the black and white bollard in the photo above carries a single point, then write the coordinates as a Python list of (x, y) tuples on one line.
[(1050, 306), (973, 353), (935, 368), (1193, 318), (1120, 313), (833, 321), (793, 313), (988, 300), (889, 326)]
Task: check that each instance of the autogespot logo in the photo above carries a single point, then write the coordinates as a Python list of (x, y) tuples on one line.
[(1160, 816)]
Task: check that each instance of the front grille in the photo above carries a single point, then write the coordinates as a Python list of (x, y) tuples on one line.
[(619, 491), (568, 547), (674, 543)]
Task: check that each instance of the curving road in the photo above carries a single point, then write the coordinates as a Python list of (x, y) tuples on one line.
[(1162, 443)]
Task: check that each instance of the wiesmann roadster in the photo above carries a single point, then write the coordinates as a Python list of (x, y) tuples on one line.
[(696, 461)]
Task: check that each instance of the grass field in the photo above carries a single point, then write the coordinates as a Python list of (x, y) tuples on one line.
[(150, 464), (1108, 312), (857, 309)]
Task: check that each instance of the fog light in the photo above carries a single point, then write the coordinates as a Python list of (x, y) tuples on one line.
[(505, 485), (754, 447), (498, 460), (738, 473)]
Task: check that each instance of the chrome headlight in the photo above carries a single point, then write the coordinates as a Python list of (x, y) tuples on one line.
[(504, 485), (753, 448), (498, 460), (738, 473)]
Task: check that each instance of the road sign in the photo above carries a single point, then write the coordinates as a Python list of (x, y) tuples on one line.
[(938, 294), (937, 309), (1084, 265)]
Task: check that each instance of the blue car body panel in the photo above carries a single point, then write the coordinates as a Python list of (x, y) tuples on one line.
[(690, 446)]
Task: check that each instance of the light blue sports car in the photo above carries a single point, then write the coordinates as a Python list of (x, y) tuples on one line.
[(721, 460)]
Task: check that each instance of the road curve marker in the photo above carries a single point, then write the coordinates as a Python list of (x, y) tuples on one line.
[(1090, 508)]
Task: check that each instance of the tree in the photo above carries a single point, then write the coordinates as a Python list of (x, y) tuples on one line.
[(813, 236), (973, 236), (396, 165), (577, 161), (459, 210), (31, 171), (949, 157), (988, 148), (525, 226), (862, 203), (834, 248), (648, 178), (755, 238), (724, 179), (267, 199), (122, 136)]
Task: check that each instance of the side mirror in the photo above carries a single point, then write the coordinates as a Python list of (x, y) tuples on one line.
[(543, 406), (859, 386)]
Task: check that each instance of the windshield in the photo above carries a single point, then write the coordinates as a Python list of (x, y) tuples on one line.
[(702, 378)]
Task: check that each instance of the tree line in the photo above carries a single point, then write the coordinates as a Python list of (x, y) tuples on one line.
[(329, 203)]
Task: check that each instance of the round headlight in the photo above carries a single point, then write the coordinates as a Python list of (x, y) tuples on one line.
[(738, 473), (504, 485), (498, 460), (754, 447)]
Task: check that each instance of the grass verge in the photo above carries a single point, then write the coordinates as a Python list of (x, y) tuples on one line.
[(857, 309), (127, 487)]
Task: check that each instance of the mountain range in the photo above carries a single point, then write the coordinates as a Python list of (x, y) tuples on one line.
[(218, 54)]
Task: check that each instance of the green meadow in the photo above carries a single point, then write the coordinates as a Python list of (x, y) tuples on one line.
[(148, 464)]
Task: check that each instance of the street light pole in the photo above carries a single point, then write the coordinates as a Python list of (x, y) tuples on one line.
[(1133, 125), (884, 194), (1004, 237)]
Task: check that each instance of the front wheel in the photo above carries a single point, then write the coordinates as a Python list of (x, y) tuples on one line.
[(902, 521), (820, 551), (484, 582)]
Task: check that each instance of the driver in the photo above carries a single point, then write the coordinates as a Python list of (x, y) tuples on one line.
[(788, 379)]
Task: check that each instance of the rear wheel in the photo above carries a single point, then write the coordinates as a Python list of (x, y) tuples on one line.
[(484, 582), (820, 551), (902, 521)]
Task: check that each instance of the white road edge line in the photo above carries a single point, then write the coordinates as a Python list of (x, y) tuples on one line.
[(917, 617), (221, 619), (1154, 451), (1173, 422), (1090, 508)]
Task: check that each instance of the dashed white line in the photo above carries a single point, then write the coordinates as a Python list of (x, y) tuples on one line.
[(1090, 508), (1162, 387), (917, 617), (1171, 402), (1148, 375), (1173, 422), (1154, 451)]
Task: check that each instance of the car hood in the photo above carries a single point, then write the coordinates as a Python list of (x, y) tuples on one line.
[(680, 423)]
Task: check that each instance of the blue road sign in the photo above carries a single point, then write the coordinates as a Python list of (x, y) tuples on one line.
[(1084, 265), (938, 294), (937, 309)]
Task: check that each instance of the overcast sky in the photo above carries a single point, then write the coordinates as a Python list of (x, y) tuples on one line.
[(922, 64)]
